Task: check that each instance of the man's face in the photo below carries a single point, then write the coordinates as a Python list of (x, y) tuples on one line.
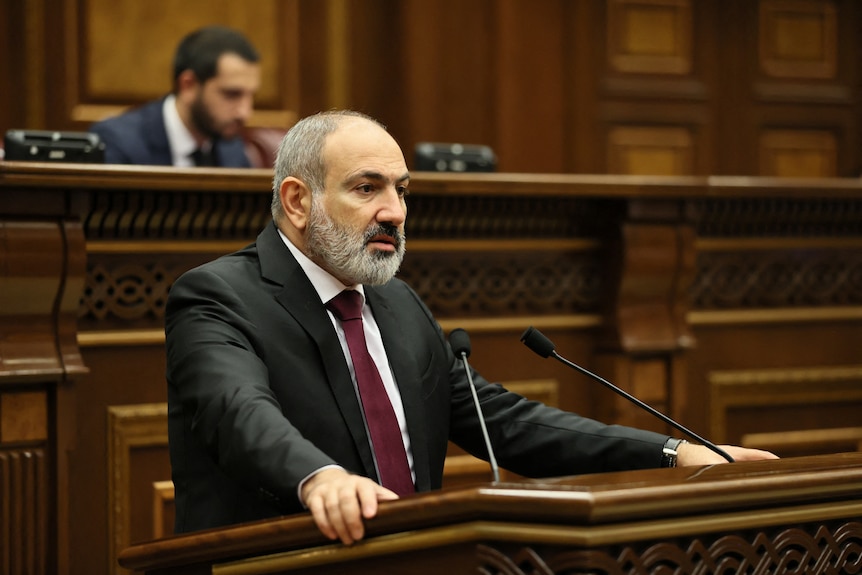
[(225, 102), (356, 226)]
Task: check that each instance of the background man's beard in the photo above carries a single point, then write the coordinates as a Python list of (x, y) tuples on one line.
[(203, 121), (345, 252)]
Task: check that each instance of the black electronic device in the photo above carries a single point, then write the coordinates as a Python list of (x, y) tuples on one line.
[(53, 146), (437, 157)]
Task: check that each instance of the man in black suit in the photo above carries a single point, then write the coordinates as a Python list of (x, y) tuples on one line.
[(216, 76), (267, 410)]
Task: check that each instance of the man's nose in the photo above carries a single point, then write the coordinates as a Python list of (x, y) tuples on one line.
[(393, 208), (245, 108)]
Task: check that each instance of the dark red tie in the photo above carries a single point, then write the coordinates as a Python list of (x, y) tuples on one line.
[(379, 415)]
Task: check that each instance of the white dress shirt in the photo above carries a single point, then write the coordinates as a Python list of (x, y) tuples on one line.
[(328, 287)]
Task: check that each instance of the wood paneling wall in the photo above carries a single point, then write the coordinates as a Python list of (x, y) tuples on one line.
[(664, 87)]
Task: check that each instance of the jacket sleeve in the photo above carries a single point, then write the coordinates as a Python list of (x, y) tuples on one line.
[(224, 416)]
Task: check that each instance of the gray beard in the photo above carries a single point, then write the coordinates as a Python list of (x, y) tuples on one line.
[(344, 252)]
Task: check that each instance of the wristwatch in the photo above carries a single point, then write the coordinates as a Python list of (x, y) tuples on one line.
[(670, 450)]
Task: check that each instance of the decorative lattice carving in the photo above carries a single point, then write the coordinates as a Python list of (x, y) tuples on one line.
[(465, 286), (167, 215), (778, 217), (777, 279), (491, 217), (808, 550), (231, 215), (127, 291), (474, 284)]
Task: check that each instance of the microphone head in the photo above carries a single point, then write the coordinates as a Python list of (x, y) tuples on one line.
[(534, 339), (460, 342)]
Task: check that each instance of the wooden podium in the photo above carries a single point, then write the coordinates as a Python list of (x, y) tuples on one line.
[(801, 515)]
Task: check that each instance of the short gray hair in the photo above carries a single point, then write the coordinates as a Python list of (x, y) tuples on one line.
[(300, 153)]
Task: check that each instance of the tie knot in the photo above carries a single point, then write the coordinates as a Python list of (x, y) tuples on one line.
[(204, 157), (346, 305)]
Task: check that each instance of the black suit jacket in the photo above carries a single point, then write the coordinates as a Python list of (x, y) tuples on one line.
[(260, 396), (139, 137)]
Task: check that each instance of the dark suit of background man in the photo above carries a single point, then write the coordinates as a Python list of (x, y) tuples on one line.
[(264, 409), (216, 76)]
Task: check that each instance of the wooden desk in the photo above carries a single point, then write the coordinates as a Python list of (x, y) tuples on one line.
[(791, 516)]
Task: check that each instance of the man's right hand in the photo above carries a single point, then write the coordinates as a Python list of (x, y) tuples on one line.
[(340, 501)]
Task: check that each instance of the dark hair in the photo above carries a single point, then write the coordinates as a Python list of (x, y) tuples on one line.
[(201, 50)]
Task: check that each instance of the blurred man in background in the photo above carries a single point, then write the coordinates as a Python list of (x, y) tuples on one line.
[(200, 123)]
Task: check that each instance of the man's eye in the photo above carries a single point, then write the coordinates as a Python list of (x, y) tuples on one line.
[(367, 188), (403, 191)]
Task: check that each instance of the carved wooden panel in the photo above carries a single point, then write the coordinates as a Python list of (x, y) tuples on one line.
[(23, 416), (24, 511), (163, 508), (807, 441), (650, 150), (733, 65), (772, 278), (798, 39), (798, 153), (777, 217), (650, 36), (132, 428), (818, 548), (798, 399), (506, 284), (106, 39)]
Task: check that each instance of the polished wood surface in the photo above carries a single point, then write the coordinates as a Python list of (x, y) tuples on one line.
[(730, 303), (555, 518)]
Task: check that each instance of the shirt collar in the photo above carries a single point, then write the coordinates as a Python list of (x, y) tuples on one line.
[(325, 284), (180, 139)]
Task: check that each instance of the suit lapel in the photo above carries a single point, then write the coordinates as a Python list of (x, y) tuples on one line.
[(408, 378), (301, 301), (156, 135)]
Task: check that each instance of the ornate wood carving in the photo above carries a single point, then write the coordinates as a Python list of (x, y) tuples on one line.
[(814, 549), (506, 284), (167, 215), (778, 279), (829, 216)]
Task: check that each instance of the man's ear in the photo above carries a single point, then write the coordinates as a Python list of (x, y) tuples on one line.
[(187, 82), (295, 201)]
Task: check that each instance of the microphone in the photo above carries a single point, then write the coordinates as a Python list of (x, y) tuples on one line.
[(535, 340), (459, 341)]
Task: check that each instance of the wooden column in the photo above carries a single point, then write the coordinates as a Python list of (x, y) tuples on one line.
[(653, 267), (42, 271)]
